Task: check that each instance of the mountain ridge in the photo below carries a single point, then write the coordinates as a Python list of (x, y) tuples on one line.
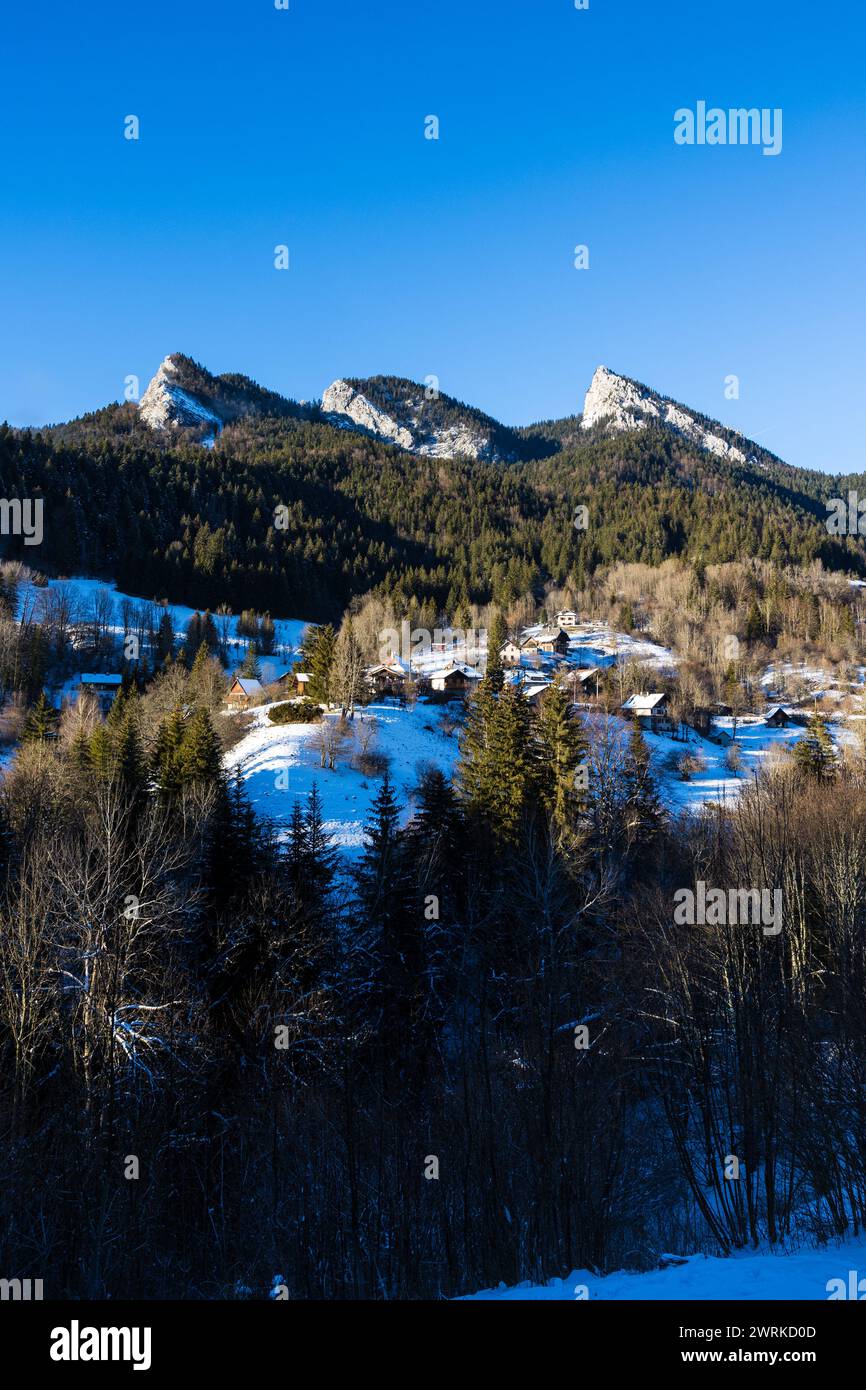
[(424, 421)]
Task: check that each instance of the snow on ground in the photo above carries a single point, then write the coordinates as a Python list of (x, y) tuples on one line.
[(612, 646), (798, 1276), (84, 591), (714, 781), (413, 737), (280, 763)]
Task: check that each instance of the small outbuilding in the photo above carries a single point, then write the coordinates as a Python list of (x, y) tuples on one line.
[(777, 717)]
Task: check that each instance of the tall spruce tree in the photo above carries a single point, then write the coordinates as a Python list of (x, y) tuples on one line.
[(512, 785), (390, 934), (40, 722), (167, 763), (562, 751), (318, 658), (814, 753), (642, 809), (200, 752)]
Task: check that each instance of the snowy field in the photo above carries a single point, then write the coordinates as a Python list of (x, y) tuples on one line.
[(804, 1275), (714, 781), (280, 763), (83, 593)]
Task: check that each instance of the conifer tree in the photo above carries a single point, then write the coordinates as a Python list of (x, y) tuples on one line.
[(102, 753), (474, 769), (200, 752), (391, 936), (814, 754), (511, 774), (561, 750), (167, 765), (496, 636), (318, 658), (251, 667), (165, 640), (129, 760), (40, 722), (642, 808)]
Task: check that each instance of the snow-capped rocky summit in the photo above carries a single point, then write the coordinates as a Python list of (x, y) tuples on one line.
[(404, 413), (165, 403), (186, 396), (352, 407), (622, 404)]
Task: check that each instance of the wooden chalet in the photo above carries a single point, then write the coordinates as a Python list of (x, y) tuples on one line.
[(243, 691)]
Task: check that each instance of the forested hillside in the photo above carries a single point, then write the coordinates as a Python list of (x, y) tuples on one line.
[(291, 515)]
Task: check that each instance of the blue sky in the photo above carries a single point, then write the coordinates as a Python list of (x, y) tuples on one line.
[(454, 257)]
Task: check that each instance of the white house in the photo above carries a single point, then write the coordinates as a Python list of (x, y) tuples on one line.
[(567, 618), (105, 687), (509, 653), (650, 707)]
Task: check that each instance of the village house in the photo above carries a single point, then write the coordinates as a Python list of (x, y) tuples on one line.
[(454, 680), (649, 709), (388, 678), (509, 653), (243, 690), (104, 687), (584, 683), (535, 691), (567, 618), (554, 641)]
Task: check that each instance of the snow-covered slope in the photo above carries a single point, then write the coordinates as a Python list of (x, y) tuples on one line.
[(280, 763), (805, 1274)]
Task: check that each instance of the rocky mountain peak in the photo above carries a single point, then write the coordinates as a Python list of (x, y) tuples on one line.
[(416, 419), (166, 403), (620, 404)]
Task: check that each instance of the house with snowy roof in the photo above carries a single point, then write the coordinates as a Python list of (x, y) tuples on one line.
[(454, 679), (649, 709), (554, 641), (243, 691), (105, 686)]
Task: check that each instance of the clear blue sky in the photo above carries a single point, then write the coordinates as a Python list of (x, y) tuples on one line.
[(451, 257)]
